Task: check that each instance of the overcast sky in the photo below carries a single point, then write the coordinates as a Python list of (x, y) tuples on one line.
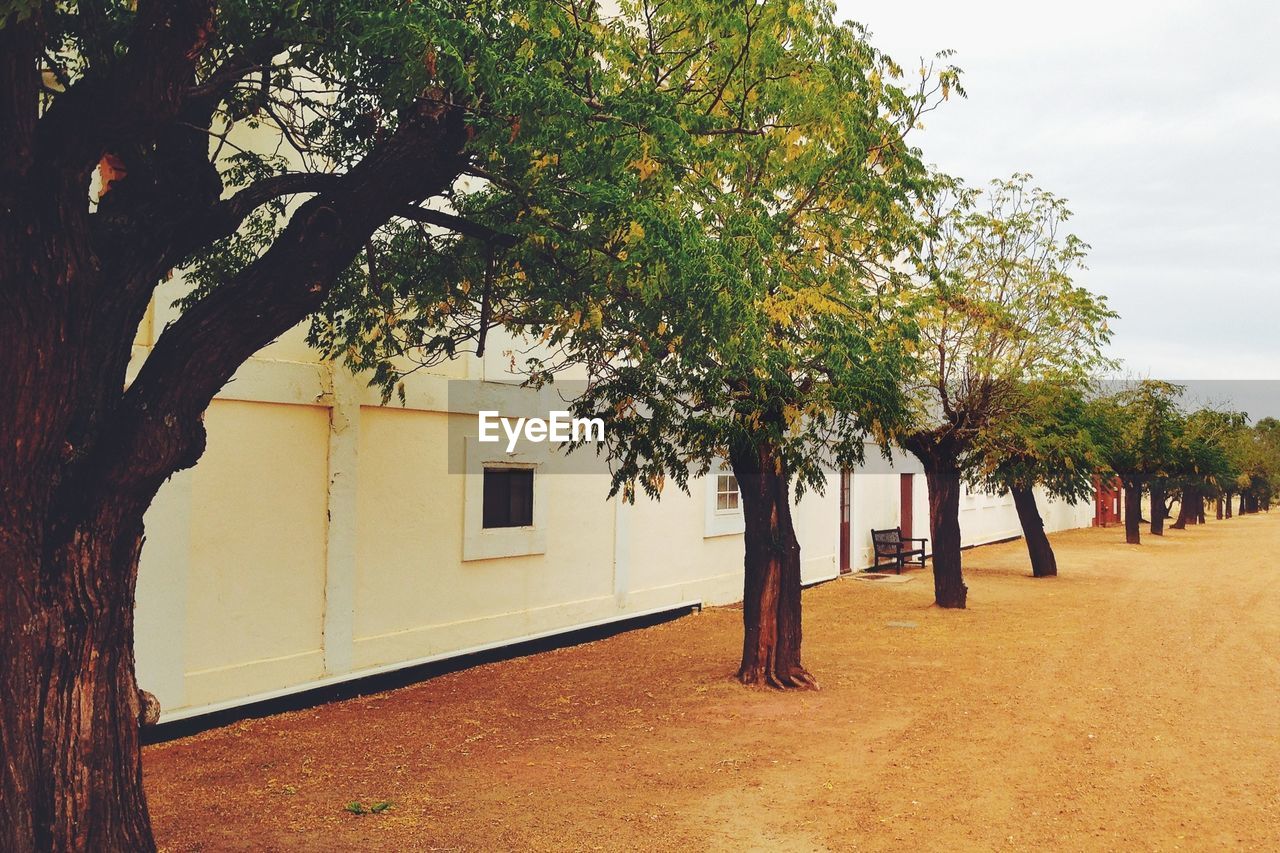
[(1160, 123)]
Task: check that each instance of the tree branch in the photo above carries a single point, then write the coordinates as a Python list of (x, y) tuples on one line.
[(158, 427), (457, 224)]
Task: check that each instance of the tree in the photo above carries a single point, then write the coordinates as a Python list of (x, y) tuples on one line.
[(771, 338), (1047, 439), (1254, 455), (1202, 463), (1139, 426), (1266, 469), (999, 308), (1158, 489), (122, 160), (734, 298)]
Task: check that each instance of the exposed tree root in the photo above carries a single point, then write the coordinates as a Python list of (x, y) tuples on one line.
[(794, 678)]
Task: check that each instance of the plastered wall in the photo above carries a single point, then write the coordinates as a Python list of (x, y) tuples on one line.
[(322, 536)]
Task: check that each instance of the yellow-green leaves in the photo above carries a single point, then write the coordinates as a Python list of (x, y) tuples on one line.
[(1007, 339)]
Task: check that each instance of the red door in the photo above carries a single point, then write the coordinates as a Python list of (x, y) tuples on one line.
[(1106, 502), (904, 511), (846, 504)]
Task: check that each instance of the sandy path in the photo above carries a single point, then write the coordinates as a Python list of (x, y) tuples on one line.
[(1132, 703)]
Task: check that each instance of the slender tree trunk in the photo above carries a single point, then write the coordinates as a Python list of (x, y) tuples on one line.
[(1043, 563), (940, 459), (1157, 508), (1133, 512), (1218, 507), (1242, 503), (1186, 508), (1190, 511), (771, 587), (1200, 506), (1226, 504)]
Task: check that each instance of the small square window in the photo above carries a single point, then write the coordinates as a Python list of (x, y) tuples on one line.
[(508, 497), (726, 493)]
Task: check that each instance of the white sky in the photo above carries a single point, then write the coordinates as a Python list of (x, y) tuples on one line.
[(1160, 123)]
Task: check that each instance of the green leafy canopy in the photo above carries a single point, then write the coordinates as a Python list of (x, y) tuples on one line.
[(1007, 338), (709, 229)]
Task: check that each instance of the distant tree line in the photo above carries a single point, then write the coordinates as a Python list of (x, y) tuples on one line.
[(1186, 459)]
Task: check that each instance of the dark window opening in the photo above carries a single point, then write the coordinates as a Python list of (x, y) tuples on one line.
[(508, 497)]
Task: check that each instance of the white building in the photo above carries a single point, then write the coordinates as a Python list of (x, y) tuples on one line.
[(322, 538)]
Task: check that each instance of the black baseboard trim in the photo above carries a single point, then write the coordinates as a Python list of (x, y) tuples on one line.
[(1013, 538)]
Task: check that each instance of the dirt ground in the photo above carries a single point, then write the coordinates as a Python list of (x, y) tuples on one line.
[(1132, 703)]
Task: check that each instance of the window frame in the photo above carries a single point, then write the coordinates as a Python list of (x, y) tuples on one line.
[(736, 509), (491, 543), (716, 521)]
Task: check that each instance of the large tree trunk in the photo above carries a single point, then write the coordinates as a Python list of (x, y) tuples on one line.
[(1226, 504), (70, 533), (940, 459), (1218, 507), (1043, 562), (70, 537), (73, 770), (78, 468), (771, 576), (1157, 508), (1133, 512)]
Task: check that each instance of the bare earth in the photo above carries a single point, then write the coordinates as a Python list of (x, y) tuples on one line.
[(1133, 703)]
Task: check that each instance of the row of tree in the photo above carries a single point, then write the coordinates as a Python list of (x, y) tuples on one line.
[(1186, 458), (1071, 438), (715, 209)]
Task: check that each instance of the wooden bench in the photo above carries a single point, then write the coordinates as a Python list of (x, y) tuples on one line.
[(889, 546)]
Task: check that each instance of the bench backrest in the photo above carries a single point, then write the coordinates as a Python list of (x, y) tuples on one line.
[(887, 540)]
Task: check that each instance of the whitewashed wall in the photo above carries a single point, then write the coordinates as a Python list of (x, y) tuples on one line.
[(322, 538)]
